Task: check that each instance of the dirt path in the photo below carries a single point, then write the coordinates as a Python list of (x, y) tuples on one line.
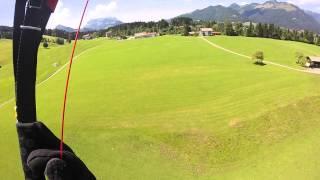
[(314, 71)]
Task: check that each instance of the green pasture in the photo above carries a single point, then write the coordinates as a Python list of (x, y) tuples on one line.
[(50, 60), (279, 51), (177, 108)]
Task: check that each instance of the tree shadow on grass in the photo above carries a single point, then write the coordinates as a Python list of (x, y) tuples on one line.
[(260, 63)]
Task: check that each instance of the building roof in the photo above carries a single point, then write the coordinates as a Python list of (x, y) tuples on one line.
[(145, 34), (314, 58), (206, 29)]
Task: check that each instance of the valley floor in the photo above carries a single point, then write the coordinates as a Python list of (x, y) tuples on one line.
[(177, 108)]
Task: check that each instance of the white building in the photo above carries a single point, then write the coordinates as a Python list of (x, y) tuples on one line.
[(87, 37), (145, 35), (313, 62), (206, 32)]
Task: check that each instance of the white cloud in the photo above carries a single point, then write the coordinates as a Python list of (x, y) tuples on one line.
[(308, 3), (62, 15), (111, 8), (103, 10), (153, 14)]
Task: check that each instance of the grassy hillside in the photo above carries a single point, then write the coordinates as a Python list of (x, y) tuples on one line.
[(177, 108), (279, 51), (49, 61), (5, 46)]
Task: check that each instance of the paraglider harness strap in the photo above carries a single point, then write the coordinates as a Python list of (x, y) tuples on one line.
[(30, 20)]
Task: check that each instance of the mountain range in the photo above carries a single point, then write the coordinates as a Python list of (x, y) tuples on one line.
[(315, 15), (94, 25), (280, 13), (102, 23), (65, 28)]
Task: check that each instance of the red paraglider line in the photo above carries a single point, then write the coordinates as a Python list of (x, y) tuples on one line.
[(68, 80)]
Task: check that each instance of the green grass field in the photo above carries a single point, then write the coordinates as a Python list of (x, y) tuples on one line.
[(50, 60), (275, 50), (177, 108)]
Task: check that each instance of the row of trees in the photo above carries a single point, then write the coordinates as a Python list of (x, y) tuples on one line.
[(6, 32), (183, 25), (271, 31), (129, 29), (5, 35)]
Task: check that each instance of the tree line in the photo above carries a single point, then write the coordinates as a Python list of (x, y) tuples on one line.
[(6, 32), (184, 25), (270, 31)]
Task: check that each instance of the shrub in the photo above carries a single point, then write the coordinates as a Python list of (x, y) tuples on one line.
[(123, 37), (300, 57), (258, 57), (60, 41), (45, 44)]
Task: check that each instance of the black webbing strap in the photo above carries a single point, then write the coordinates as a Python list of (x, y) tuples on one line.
[(30, 20), (18, 20)]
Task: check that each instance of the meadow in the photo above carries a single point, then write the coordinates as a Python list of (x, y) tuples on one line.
[(279, 51), (176, 108), (50, 60)]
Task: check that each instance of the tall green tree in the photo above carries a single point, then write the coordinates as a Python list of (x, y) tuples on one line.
[(239, 29), (221, 27), (271, 30), (308, 36), (259, 30), (265, 29), (186, 30), (318, 40), (163, 24), (229, 31), (181, 21), (250, 30)]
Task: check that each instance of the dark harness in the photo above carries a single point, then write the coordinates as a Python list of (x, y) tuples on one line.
[(30, 21), (39, 147)]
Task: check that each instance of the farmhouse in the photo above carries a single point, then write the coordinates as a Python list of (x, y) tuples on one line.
[(313, 62), (206, 32), (109, 34), (145, 35), (216, 33), (86, 37)]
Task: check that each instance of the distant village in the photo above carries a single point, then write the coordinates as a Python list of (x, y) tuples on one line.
[(189, 27), (140, 35)]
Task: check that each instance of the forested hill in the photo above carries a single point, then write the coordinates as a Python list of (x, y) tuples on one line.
[(273, 12)]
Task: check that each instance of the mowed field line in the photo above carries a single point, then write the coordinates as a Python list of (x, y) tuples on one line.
[(248, 57), (51, 76)]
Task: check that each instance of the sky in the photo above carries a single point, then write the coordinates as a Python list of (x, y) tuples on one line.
[(68, 12)]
